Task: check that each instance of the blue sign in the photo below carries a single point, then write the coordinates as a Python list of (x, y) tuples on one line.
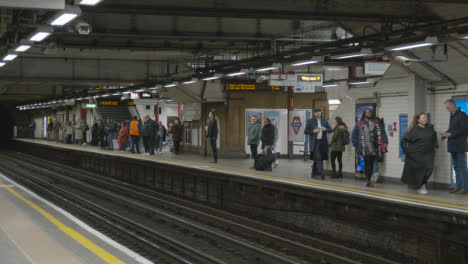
[(403, 129)]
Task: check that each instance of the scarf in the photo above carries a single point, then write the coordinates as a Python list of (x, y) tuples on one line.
[(381, 148)]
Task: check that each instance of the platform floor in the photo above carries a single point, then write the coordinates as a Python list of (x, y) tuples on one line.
[(33, 231), (297, 172)]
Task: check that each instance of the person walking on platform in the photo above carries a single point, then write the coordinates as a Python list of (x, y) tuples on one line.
[(176, 132), (254, 135), (213, 134), (419, 144), (33, 129), (370, 141), (50, 130), (135, 135), (337, 145), (457, 145), (268, 139), (69, 139), (317, 129), (102, 135), (153, 135), (57, 126), (84, 128), (110, 133), (147, 130)]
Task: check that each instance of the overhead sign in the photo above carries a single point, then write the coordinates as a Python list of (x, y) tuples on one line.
[(282, 79), (306, 82), (376, 67), (115, 103), (234, 87), (34, 4)]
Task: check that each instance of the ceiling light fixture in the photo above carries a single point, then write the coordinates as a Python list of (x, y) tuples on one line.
[(139, 90), (329, 85), (23, 48), (41, 33), (65, 16), (9, 57), (357, 83), (2, 64), (334, 101), (362, 53), (235, 74), (429, 41), (267, 69), (304, 63), (189, 82), (170, 85), (90, 2), (210, 78)]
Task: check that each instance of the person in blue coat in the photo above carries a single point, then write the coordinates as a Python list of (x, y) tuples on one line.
[(317, 129), (457, 145), (370, 141)]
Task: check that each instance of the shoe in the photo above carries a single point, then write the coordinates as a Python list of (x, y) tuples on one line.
[(455, 190), (422, 190), (340, 174), (369, 184)]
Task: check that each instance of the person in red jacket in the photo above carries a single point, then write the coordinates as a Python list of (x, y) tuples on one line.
[(123, 135)]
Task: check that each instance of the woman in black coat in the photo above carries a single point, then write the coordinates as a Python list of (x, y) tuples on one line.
[(419, 144), (268, 134)]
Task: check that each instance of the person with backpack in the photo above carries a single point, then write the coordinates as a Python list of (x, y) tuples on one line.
[(338, 142), (457, 145)]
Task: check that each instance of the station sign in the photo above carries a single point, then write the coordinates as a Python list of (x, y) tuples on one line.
[(306, 82), (376, 67), (240, 87), (251, 86), (282, 79), (116, 103), (89, 105)]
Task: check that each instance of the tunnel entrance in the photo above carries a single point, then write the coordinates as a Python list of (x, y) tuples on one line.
[(6, 127)]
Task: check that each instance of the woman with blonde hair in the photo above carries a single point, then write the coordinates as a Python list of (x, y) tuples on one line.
[(419, 144)]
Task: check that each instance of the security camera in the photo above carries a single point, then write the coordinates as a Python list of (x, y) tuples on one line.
[(83, 28)]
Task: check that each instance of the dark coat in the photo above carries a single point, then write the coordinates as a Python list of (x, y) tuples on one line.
[(458, 127), (147, 129), (419, 146), (336, 143), (213, 128), (101, 131), (268, 135), (311, 125), (356, 136), (176, 132)]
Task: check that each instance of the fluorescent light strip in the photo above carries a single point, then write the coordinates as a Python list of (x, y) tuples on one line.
[(304, 63), (22, 48), (412, 46), (334, 102), (351, 56), (465, 37), (105, 95), (329, 85), (2, 64), (267, 69), (210, 78), (116, 94), (39, 36), (63, 19), (9, 57), (189, 82), (356, 83), (90, 2), (127, 92), (139, 91), (235, 74), (170, 85)]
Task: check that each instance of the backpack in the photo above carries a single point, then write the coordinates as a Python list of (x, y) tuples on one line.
[(345, 138)]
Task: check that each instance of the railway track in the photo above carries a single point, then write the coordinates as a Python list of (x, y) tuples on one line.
[(243, 240)]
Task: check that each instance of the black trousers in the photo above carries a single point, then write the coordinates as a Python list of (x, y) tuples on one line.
[(146, 143), (177, 147), (253, 150), (214, 149), (151, 143), (369, 166), (334, 156)]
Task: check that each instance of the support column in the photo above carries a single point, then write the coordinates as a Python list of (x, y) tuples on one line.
[(416, 96)]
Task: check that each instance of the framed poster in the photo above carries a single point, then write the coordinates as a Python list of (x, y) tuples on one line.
[(403, 127), (296, 125)]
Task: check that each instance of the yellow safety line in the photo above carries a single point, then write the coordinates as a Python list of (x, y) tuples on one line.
[(320, 185), (100, 252)]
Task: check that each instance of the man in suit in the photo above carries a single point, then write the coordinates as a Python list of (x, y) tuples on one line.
[(317, 129)]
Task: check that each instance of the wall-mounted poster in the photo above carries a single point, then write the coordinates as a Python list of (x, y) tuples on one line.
[(297, 124), (274, 116)]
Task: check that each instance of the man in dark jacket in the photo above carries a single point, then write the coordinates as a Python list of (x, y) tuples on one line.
[(317, 129), (94, 134), (147, 131), (457, 144), (213, 133), (268, 140)]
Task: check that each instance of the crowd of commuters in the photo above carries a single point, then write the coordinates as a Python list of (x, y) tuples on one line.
[(370, 141), (368, 138)]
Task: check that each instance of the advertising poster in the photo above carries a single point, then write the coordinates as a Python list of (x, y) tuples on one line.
[(274, 116), (297, 124)]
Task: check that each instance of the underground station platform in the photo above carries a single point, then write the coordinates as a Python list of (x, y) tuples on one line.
[(386, 224)]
